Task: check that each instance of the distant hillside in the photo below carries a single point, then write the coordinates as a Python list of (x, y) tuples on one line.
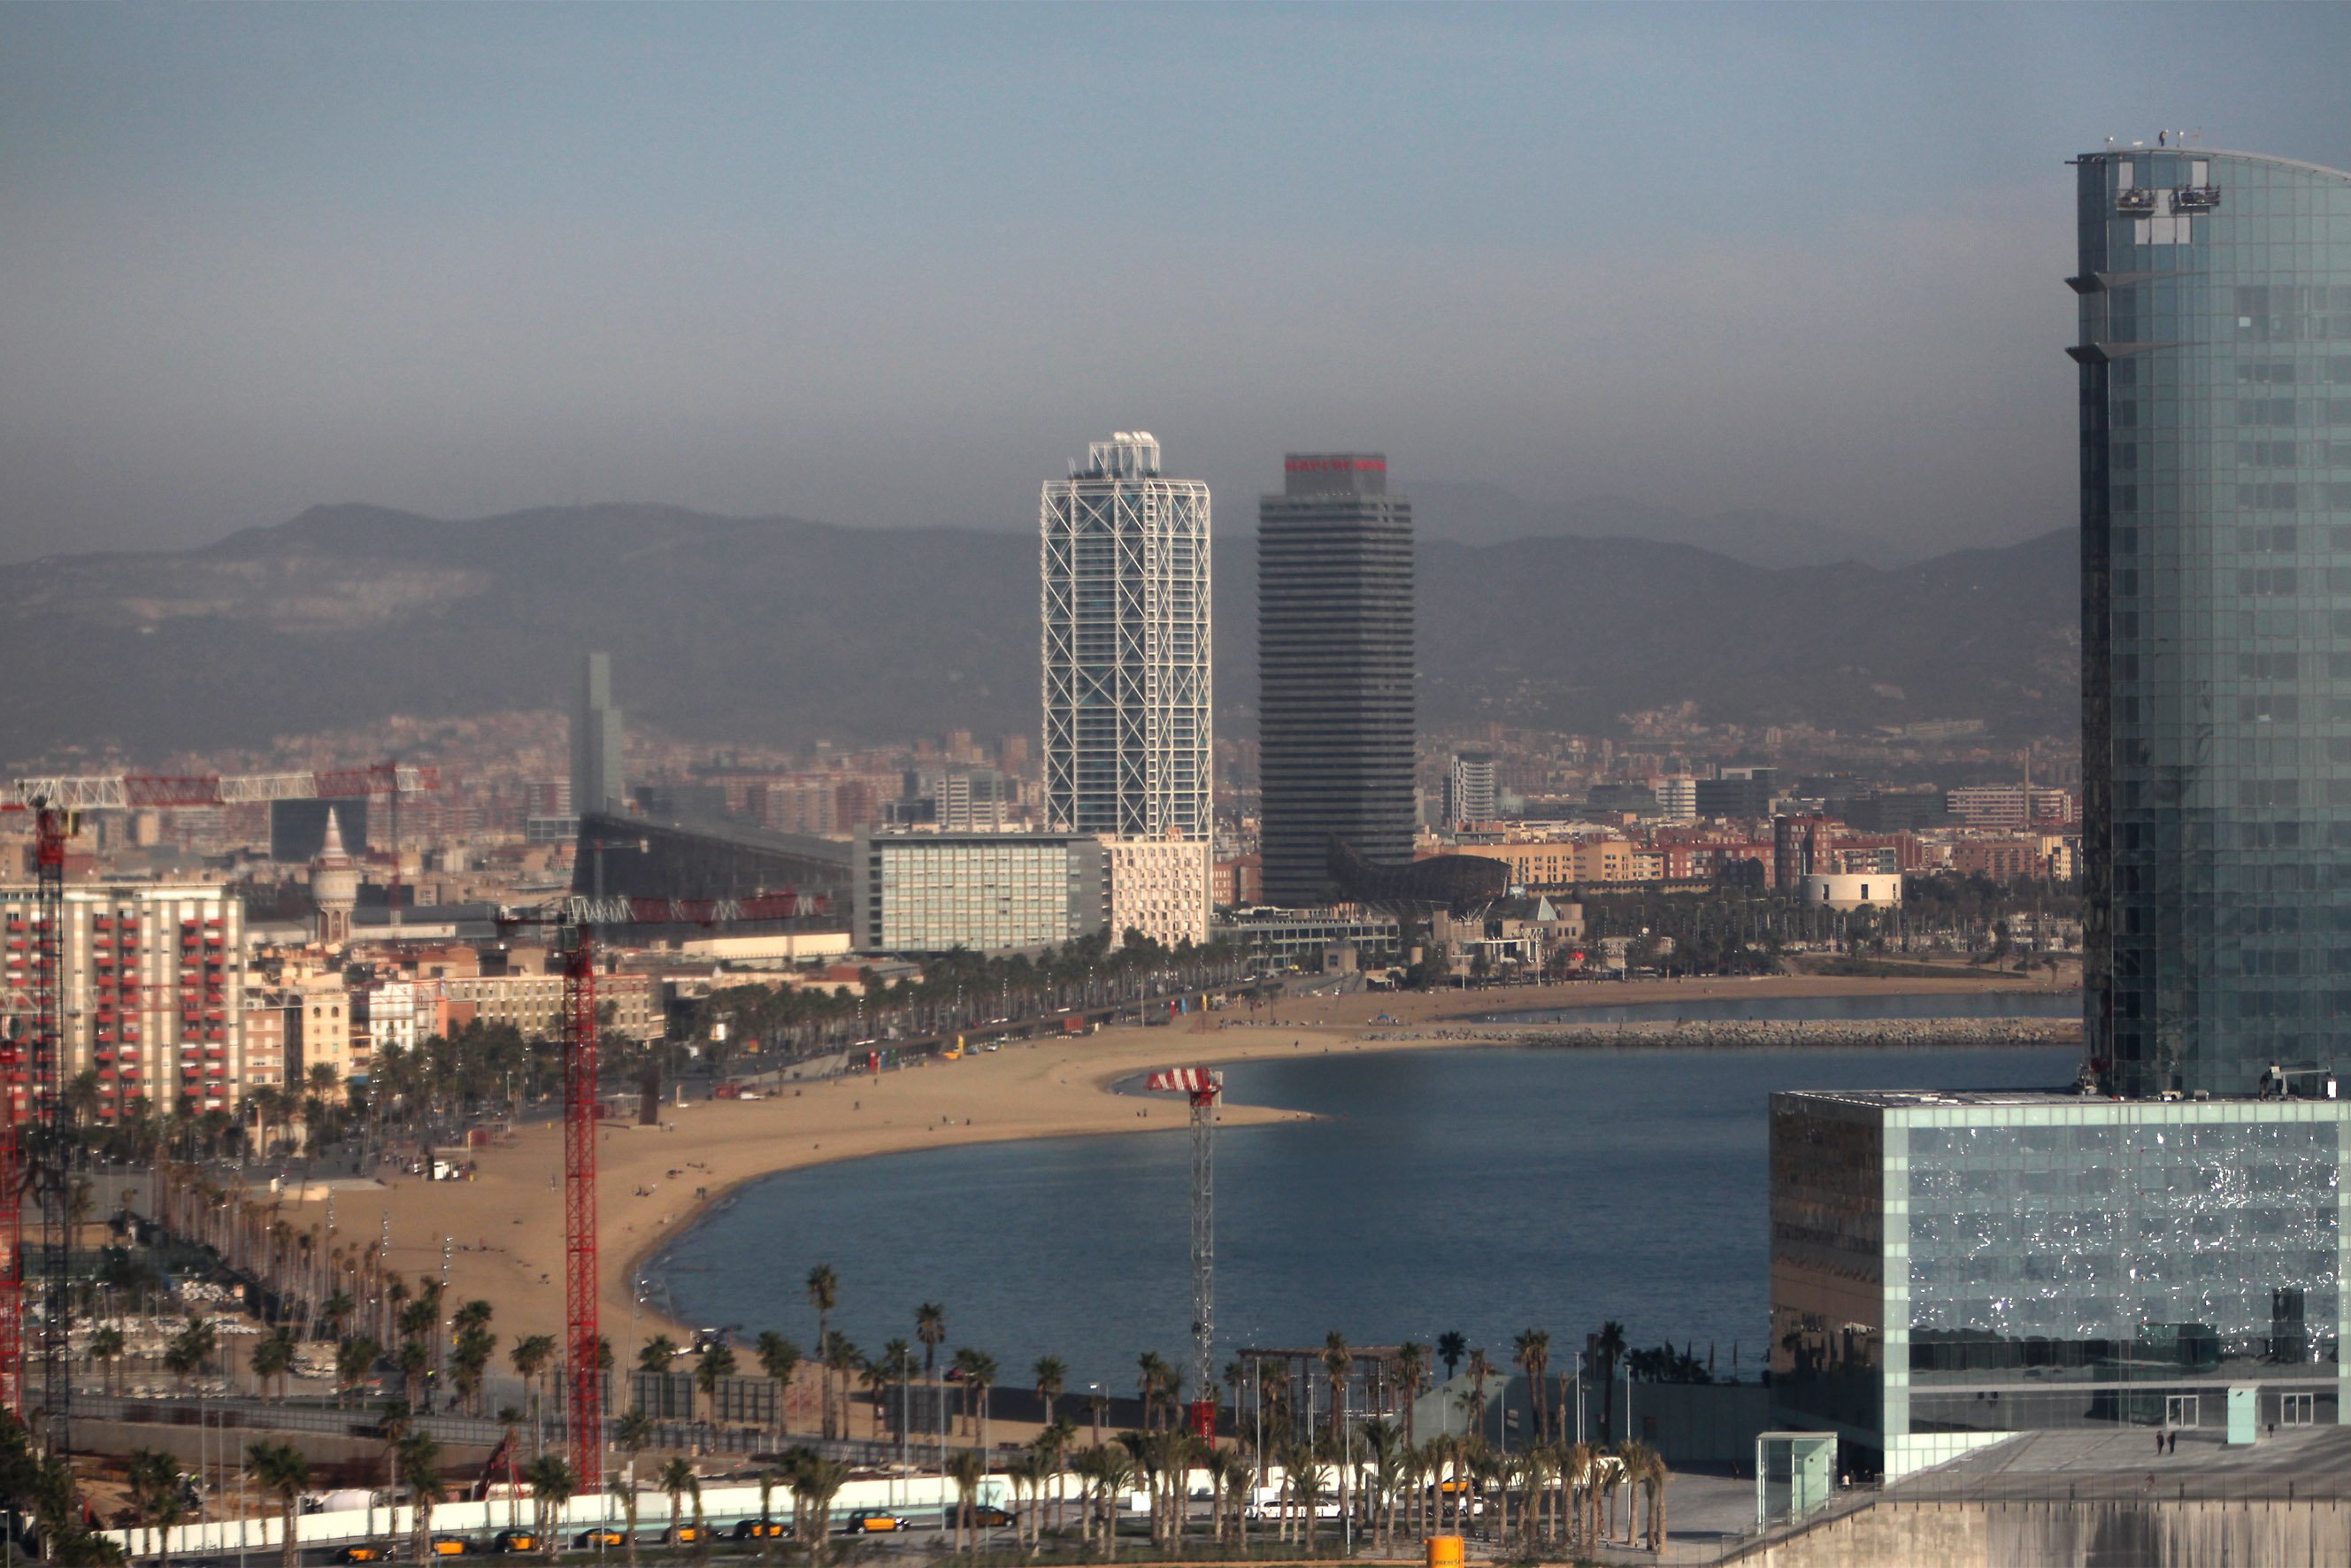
[(1479, 514), (775, 629)]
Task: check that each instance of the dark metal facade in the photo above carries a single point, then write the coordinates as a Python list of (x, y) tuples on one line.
[(1336, 672)]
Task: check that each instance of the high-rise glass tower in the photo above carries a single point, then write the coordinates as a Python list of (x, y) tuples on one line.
[(598, 784), (1335, 671), (2215, 354), (1125, 554)]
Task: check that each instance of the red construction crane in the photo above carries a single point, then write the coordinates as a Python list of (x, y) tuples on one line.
[(576, 921), (1202, 1086)]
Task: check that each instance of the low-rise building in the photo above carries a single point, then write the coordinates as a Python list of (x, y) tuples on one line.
[(1159, 887)]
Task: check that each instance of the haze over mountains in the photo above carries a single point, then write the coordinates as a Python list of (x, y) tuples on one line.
[(785, 630)]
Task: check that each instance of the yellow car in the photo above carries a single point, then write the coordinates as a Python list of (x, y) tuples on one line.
[(451, 1546), (759, 1529), (599, 1538), (517, 1541), (360, 1554), (687, 1534)]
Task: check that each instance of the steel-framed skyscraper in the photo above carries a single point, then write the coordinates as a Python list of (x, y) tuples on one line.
[(1335, 671), (2215, 388), (1124, 557)]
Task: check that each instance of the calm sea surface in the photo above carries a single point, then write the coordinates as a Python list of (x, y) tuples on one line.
[(1951, 1005), (1483, 1190)]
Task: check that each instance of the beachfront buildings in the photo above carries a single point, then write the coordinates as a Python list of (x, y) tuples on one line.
[(153, 977), (2215, 396), (985, 893), (1951, 1268), (1334, 672)]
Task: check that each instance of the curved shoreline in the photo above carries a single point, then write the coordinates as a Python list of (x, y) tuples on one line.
[(505, 1229)]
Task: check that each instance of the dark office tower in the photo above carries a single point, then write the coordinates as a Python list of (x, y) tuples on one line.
[(1334, 671), (597, 782), (2215, 355)]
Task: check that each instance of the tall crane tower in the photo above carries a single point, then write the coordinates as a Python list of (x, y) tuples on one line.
[(1202, 1087), (575, 922)]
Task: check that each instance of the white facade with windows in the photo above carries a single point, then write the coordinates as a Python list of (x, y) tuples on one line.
[(1125, 563), (1159, 887), (933, 893)]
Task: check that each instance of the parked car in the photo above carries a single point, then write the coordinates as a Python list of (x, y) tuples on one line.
[(759, 1529)]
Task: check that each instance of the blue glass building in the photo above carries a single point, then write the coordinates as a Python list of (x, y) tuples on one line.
[(2215, 355)]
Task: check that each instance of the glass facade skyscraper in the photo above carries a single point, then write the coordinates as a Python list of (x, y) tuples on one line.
[(1124, 560), (2215, 384), (1334, 672)]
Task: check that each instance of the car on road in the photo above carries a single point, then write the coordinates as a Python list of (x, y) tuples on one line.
[(988, 1516), (451, 1546), (684, 1536), (364, 1551), (518, 1541), (762, 1528), (606, 1537), (875, 1521)]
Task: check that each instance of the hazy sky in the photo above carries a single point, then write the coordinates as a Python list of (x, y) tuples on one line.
[(894, 264)]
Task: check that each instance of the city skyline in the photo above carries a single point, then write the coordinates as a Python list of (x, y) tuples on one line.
[(269, 259)]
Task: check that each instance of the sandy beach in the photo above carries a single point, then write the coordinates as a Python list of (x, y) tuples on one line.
[(504, 1229)]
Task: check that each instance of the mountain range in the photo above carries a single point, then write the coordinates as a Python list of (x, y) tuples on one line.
[(780, 630)]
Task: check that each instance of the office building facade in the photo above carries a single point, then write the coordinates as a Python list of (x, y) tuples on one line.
[(2214, 360), (1948, 1269), (598, 783), (1336, 672), (988, 892), (1123, 555)]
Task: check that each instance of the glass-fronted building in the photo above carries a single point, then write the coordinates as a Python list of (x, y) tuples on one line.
[(1948, 1268), (2215, 386), (1334, 673)]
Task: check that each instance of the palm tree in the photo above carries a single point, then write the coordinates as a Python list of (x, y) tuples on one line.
[(553, 1483), (841, 1360), (280, 1468), (1450, 1348), (106, 1348), (531, 1356), (1113, 1470), (930, 1333), (156, 1499), (273, 1356), (1310, 1483), (979, 1379), (815, 1483), (414, 1363), (1412, 1371), (1050, 1377), (634, 1434), (967, 1468), (677, 1479), (1533, 1354), (1337, 1361), (420, 1470), (779, 1358), (824, 1294), (1608, 1345), (1481, 1369), (1381, 1438), (769, 1477), (718, 1362), (354, 1359), (1656, 1477)]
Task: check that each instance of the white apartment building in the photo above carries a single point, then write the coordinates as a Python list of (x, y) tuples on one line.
[(1159, 887), (153, 978)]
